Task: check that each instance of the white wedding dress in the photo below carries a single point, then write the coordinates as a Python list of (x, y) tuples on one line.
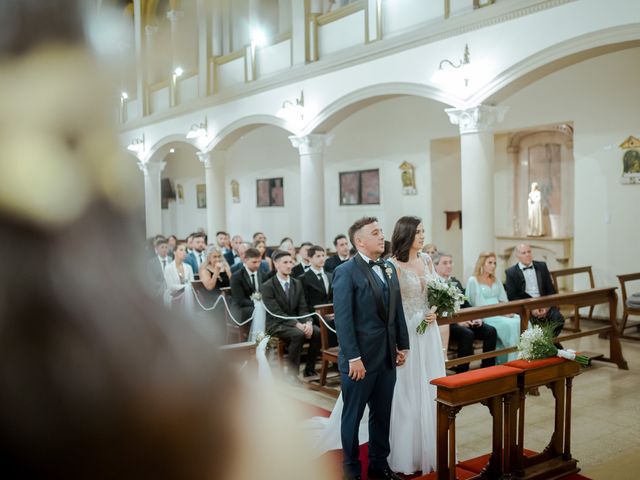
[(413, 411)]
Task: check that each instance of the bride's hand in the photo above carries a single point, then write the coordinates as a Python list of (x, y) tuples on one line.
[(430, 317)]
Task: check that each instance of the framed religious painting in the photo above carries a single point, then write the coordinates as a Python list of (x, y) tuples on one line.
[(360, 188), (270, 192), (201, 195)]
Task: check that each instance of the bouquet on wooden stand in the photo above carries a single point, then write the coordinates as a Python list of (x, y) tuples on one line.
[(537, 343)]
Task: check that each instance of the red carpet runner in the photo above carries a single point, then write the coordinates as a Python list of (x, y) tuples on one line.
[(464, 470)]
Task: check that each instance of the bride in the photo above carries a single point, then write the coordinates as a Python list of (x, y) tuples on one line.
[(413, 410)]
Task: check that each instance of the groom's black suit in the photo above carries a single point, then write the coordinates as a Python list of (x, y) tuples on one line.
[(371, 326)]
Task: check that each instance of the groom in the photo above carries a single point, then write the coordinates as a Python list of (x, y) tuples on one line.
[(373, 339)]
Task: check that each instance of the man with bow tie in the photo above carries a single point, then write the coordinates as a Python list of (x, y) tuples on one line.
[(373, 338), (531, 279)]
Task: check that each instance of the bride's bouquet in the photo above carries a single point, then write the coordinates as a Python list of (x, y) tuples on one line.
[(536, 343), (445, 299)]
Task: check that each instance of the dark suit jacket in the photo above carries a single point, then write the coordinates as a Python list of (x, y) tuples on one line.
[(364, 328), (297, 271), (241, 290), (333, 262), (314, 292), (230, 257), (458, 284), (516, 284), (157, 283), (275, 300)]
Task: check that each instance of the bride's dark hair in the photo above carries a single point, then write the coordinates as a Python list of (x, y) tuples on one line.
[(404, 233)]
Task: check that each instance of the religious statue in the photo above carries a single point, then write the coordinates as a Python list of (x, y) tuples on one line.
[(408, 177), (235, 191), (534, 226)]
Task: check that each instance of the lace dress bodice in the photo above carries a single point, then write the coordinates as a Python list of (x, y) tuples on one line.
[(413, 288)]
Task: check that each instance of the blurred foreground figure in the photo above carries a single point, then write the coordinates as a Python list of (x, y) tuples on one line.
[(96, 381)]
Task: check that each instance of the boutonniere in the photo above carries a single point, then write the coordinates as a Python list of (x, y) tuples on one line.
[(388, 270), (256, 296)]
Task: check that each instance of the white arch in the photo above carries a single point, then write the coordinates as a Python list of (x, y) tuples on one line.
[(353, 101), (229, 134), (554, 58), (161, 145)]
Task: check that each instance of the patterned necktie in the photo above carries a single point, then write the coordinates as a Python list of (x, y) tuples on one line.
[(286, 289)]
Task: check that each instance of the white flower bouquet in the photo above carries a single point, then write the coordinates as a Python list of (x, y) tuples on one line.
[(445, 299), (538, 342)]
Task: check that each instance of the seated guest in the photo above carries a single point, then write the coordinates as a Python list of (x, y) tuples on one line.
[(430, 249), (245, 282), (283, 295), (483, 288), (464, 333), (222, 242), (531, 279), (317, 286), (197, 256), (156, 267), (287, 245), (242, 249), (172, 240), (177, 274), (261, 237), (341, 244), (215, 272), (233, 256), (265, 264), (303, 255)]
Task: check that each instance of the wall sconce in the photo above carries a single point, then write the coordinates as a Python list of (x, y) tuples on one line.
[(449, 71), (198, 130), (136, 145), (292, 112)]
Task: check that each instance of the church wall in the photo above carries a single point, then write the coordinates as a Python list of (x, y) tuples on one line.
[(265, 152), (599, 96)]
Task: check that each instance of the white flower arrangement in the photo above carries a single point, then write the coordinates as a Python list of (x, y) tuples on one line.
[(444, 297), (537, 343), (256, 296), (388, 270)]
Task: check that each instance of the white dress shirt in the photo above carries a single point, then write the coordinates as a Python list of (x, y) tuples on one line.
[(531, 280), (325, 279), (376, 268)]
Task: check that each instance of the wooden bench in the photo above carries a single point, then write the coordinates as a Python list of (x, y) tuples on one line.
[(627, 310), (327, 354), (523, 308), (556, 275)]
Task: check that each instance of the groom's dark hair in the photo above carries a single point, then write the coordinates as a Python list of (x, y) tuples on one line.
[(357, 225), (404, 233)]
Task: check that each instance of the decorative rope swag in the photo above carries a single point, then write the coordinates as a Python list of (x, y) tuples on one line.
[(258, 317)]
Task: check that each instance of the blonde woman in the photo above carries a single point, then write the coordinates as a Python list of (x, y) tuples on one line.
[(483, 288), (215, 273)]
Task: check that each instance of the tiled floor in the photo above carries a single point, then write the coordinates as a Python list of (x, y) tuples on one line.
[(606, 414)]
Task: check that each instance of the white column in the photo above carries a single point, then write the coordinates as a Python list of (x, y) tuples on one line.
[(141, 71), (204, 47), (298, 32), (311, 150), (152, 194), (477, 156), (214, 178)]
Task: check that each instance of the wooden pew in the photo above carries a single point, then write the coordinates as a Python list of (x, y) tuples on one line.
[(626, 310), (328, 354), (235, 334), (585, 298), (556, 275)]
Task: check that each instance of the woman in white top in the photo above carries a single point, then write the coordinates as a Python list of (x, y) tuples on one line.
[(178, 275)]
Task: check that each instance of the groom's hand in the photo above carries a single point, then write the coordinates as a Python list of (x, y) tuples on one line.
[(356, 370)]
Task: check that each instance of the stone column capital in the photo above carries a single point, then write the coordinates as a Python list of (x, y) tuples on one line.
[(313, 143), (151, 168), (476, 119)]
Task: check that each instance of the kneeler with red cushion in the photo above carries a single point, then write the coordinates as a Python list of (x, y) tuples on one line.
[(556, 374), (497, 389)]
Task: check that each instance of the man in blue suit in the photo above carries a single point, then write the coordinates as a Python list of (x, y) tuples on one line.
[(373, 339)]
